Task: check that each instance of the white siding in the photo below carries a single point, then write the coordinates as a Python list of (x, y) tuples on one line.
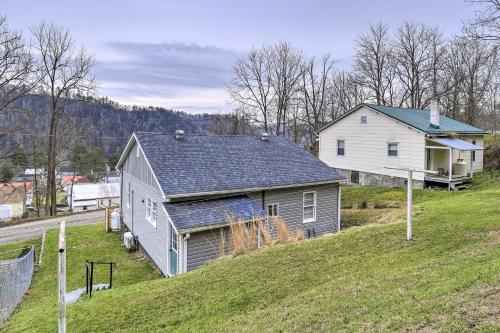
[(440, 157), (477, 166), (366, 144)]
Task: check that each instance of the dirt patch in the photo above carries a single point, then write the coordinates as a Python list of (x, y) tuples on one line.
[(494, 237)]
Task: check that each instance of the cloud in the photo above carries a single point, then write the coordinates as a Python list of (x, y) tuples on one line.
[(188, 75)]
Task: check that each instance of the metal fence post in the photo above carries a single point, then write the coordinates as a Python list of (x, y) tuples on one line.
[(62, 278)]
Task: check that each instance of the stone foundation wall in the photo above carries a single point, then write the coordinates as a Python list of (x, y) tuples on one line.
[(368, 178)]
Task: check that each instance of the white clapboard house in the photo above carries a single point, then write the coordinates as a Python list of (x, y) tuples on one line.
[(366, 140)]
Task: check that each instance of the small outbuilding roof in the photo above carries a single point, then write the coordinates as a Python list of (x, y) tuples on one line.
[(419, 119), (457, 144), (206, 165), (204, 214)]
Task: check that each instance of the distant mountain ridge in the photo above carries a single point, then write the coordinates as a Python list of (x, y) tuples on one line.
[(108, 124)]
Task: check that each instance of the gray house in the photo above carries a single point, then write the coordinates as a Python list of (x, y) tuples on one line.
[(176, 191)]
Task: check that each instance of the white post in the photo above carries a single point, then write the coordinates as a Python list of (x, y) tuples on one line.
[(62, 278), (450, 168), (470, 155), (409, 195), (409, 204)]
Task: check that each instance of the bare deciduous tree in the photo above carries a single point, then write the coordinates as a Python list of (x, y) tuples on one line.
[(480, 62), (315, 93), (286, 64), (234, 123), (251, 85), (372, 61), (486, 23), (16, 77), (65, 73), (414, 62)]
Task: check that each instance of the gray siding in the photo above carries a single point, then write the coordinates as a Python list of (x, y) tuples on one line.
[(291, 207), (204, 246), (152, 240)]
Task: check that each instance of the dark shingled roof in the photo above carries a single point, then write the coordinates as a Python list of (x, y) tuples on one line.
[(206, 213), (201, 163)]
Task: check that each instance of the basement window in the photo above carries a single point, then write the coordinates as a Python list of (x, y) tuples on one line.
[(309, 207), (273, 210), (363, 119), (392, 149)]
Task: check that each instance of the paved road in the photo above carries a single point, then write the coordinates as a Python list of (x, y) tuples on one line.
[(30, 230)]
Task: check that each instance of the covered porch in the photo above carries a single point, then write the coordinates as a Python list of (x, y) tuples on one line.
[(452, 159)]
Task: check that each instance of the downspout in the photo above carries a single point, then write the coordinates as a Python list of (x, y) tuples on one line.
[(264, 200), (184, 252)]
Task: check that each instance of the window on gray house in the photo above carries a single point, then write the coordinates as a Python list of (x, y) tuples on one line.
[(392, 149), (340, 147), (309, 206), (273, 210), (151, 211), (173, 239), (363, 119)]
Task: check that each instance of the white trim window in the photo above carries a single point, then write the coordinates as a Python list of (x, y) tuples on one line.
[(151, 211), (392, 149), (129, 194), (309, 206), (137, 152), (273, 210), (340, 147), (173, 240)]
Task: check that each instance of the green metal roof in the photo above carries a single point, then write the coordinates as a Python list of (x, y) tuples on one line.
[(419, 119)]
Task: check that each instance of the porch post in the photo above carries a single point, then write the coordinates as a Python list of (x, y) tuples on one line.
[(450, 167), (470, 155)]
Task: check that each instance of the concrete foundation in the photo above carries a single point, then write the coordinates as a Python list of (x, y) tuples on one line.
[(373, 179)]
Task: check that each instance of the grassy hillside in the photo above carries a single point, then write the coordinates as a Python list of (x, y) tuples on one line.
[(364, 279), (38, 311)]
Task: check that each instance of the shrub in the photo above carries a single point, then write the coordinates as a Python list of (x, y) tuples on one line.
[(237, 233), (363, 203), (299, 234), (266, 238), (282, 232), (492, 154), (347, 205)]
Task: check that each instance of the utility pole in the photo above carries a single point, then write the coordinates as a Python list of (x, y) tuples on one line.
[(410, 196)]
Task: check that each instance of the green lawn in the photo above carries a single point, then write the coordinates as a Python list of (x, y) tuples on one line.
[(38, 312), (363, 279)]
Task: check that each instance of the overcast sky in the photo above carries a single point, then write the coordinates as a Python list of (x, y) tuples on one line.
[(179, 54)]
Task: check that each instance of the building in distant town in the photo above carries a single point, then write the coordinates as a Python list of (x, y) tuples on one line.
[(93, 196), (67, 181)]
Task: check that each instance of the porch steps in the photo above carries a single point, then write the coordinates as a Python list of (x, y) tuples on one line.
[(460, 185)]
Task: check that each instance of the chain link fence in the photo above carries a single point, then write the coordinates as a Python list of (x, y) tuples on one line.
[(15, 278)]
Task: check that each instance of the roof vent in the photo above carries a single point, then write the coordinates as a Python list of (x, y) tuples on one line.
[(179, 134), (264, 137), (434, 114)]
